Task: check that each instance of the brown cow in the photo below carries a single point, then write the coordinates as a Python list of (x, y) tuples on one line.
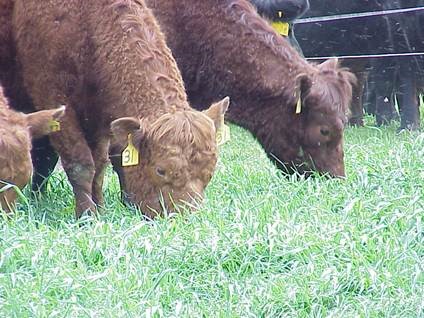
[(16, 130), (108, 61), (296, 110)]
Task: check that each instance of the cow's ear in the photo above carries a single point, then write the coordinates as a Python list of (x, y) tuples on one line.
[(44, 122), (217, 111), (329, 65), (302, 88), (124, 126)]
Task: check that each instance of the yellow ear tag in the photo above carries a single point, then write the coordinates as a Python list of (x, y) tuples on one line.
[(130, 154), (54, 125), (223, 133), (298, 106), (282, 28)]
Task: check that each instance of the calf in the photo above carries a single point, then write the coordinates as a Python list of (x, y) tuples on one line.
[(295, 109), (16, 131), (108, 61)]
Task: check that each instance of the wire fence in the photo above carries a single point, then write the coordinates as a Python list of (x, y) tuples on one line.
[(358, 16), (407, 54)]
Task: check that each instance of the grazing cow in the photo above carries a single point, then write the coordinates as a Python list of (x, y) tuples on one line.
[(108, 61), (395, 33), (296, 110), (281, 14), (16, 130)]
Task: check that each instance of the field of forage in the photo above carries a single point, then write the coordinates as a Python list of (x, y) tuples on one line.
[(262, 245)]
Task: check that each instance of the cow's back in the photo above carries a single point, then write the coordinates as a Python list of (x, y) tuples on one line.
[(47, 36)]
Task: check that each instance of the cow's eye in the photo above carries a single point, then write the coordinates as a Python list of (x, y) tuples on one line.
[(160, 172), (324, 131)]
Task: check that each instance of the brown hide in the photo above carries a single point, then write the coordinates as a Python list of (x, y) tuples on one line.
[(6, 41), (16, 130), (224, 48), (10, 77), (15, 158), (108, 60)]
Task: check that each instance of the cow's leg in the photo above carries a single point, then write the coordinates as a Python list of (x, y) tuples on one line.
[(100, 156), (116, 164), (384, 87), (44, 159), (357, 113), (77, 161), (358, 68), (7, 200), (385, 110), (369, 98), (408, 103)]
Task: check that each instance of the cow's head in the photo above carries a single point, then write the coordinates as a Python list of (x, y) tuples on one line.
[(325, 97), (167, 162), (312, 138)]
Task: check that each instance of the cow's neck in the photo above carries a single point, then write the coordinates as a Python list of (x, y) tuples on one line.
[(268, 124), (145, 78)]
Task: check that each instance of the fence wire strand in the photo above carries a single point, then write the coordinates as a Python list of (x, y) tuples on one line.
[(361, 15), (356, 15)]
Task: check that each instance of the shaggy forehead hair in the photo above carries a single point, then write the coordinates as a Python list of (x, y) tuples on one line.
[(333, 87), (185, 128)]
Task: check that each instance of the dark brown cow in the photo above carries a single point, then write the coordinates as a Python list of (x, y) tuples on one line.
[(296, 110), (108, 61), (16, 130)]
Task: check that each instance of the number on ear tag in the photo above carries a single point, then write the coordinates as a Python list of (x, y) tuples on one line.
[(54, 125), (282, 28), (223, 134), (130, 154), (298, 106)]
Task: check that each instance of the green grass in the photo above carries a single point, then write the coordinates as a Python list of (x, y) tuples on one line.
[(261, 246)]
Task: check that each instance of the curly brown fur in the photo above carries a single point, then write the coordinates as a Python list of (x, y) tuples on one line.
[(235, 52), (43, 155), (107, 60), (176, 142), (16, 130)]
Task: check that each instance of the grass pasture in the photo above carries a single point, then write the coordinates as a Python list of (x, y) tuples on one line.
[(261, 246)]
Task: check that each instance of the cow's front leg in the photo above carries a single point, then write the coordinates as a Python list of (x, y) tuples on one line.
[(77, 161)]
